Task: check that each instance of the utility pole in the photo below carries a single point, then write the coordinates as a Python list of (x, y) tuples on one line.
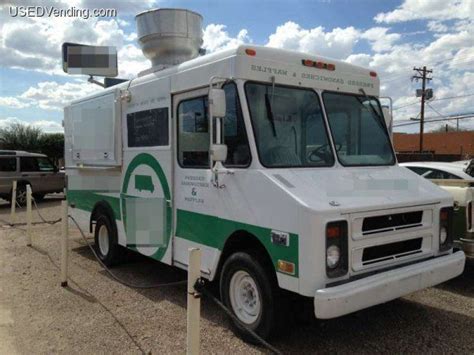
[(422, 74)]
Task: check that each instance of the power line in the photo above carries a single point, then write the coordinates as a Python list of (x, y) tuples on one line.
[(435, 99), (430, 120), (394, 77)]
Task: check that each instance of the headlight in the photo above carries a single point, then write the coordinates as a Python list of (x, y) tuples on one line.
[(337, 249), (333, 255), (443, 235), (445, 228)]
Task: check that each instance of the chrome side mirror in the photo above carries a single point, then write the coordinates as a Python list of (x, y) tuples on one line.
[(217, 102), (219, 152)]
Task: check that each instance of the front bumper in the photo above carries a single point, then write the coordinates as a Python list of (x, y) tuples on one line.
[(339, 300)]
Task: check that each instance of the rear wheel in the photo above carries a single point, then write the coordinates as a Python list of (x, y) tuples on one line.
[(248, 288), (106, 244)]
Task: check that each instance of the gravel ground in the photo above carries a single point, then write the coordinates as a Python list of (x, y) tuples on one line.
[(96, 314)]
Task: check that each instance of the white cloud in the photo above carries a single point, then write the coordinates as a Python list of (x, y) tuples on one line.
[(450, 55), (50, 95), (132, 7), (123, 7), (380, 39), (13, 102), (131, 61), (361, 59), (437, 26), (428, 9), (337, 43), (47, 126), (35, 43), (216, 38)]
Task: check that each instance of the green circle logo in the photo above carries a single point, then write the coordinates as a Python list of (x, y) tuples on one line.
[(144, 211)]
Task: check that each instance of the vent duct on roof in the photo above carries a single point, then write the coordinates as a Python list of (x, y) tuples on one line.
[(169, 36)]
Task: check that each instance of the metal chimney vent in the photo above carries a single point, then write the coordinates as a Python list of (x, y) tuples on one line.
[(169, 36)]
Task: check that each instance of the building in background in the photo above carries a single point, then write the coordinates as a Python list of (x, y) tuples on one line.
[(445, 146)]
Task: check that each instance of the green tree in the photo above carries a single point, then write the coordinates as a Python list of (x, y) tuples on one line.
[(19, 136), (52, 144)]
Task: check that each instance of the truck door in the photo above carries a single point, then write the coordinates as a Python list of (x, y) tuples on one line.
[(201, 208), (146, 186)]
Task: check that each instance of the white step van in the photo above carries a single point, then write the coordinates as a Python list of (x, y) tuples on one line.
[(278, 165)]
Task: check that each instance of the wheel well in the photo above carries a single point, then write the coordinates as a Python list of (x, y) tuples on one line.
[(101, 208), (21, 183), (243, 241)]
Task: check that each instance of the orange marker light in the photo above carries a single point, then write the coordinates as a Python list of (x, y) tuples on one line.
[(443, 215), (286, 267), (333, 232), (250, 51)]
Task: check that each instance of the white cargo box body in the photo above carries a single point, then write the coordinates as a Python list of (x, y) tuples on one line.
[(88, 127)]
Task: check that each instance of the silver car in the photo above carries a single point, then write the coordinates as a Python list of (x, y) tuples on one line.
[(26, 168)]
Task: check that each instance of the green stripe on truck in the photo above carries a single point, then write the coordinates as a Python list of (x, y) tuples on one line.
[(214, 231), (86, 200)]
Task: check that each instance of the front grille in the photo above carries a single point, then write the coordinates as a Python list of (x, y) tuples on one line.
[(391, 222), (391, 251)]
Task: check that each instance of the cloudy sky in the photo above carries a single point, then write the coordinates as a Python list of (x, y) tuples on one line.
[(389, 36)]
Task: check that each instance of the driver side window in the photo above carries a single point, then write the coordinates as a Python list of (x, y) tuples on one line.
[(193, 132)]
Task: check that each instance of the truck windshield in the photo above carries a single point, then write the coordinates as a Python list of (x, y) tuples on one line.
[(358, 129), (289, 126)]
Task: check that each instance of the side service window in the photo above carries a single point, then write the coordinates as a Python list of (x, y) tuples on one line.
[(148, 128), (7, 164), (193, 132)]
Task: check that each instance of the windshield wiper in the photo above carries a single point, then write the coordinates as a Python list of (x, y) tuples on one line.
[(270, 117), (380, 120)]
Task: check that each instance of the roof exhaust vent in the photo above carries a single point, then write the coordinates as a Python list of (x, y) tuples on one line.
[(169, 36)]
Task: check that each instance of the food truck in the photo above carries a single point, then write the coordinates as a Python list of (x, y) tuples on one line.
[(278, 165)]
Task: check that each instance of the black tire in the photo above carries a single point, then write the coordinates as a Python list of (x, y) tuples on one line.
[(21, 194), (272, 311), (112, 255)]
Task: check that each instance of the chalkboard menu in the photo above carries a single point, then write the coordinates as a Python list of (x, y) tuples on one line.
[(148, 128)]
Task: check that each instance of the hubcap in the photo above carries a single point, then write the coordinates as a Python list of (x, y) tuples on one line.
[(103, 240), (245, 297)]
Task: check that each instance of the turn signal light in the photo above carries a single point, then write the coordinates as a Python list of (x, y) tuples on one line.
[(286, 267), (333, 231)]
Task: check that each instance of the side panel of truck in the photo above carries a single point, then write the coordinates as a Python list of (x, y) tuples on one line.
[(146, 184)]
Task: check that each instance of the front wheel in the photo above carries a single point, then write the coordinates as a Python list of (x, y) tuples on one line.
[(249, 290)]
